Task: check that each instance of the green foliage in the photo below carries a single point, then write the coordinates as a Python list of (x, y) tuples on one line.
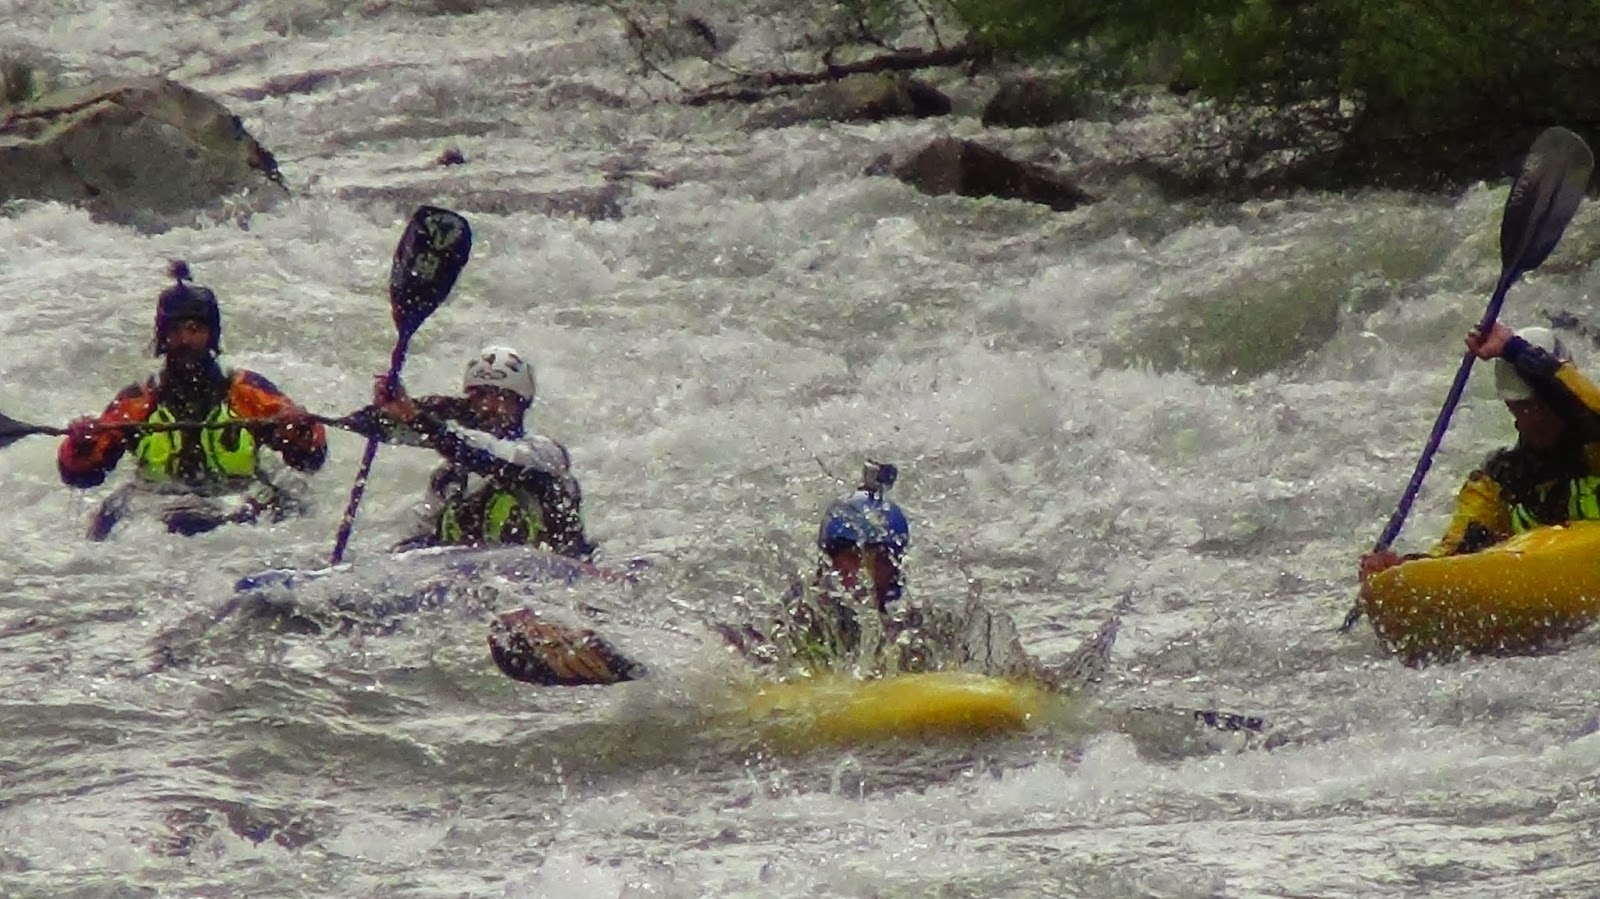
[(1419, 64), (17, 82)]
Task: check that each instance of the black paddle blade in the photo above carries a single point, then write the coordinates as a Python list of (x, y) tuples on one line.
[(1544, 198), (431, 254), (12, 430)]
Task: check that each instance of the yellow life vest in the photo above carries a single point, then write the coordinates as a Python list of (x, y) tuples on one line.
[(158, 451), (1583, 504), (490, 515)]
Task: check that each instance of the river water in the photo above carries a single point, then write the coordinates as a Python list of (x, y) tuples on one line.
[(1208, 409)]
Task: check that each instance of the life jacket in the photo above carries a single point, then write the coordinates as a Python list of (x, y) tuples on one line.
[(227, 453), (490, 514), (1583, 504)]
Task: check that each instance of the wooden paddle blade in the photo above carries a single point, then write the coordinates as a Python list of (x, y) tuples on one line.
[(431, 254), (1544, 198), (12, 430), (530, 649)]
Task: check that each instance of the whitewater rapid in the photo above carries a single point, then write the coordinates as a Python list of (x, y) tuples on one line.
[(1210, 409)]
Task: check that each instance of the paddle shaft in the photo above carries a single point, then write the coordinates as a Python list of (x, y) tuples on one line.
[(397, 359), (432, 251), (1442, 423), (17, 430)]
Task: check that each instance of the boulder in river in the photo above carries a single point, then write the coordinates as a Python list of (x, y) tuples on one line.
[(965, 167), (146, 152)]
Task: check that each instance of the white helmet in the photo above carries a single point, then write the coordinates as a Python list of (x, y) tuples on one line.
[(1508, 385), (502, 367)]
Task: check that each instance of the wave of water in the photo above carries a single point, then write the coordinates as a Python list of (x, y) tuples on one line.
[(1210, 409)]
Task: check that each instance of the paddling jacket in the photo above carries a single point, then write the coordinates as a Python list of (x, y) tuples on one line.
[(221, 457), (1518, 487), (513, 489)]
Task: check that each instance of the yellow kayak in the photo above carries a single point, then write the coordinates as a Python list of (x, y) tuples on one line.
[(1517, 596), (836, 709)]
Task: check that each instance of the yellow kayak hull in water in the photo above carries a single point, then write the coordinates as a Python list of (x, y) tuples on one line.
[(1517, 596), (836, 709)]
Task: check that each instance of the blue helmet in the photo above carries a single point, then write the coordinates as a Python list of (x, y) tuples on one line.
[(864, 519)]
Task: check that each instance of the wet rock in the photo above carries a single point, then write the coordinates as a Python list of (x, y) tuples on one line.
[(965, 167), (144, 152), (858, 98), (882, 164), (1032, 102), (580, 93), (290, 84)]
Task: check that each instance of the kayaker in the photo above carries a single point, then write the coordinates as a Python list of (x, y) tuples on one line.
[(1551, 475), (863, 538), (218, 471), (853, 615), (499, 484)]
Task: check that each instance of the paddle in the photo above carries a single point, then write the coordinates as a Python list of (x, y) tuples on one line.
[(429, 257), (1538, 208), (12, 430)]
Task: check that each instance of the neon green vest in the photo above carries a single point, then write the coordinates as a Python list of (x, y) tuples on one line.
[(1583, 504), (157, 451), (490, 515)]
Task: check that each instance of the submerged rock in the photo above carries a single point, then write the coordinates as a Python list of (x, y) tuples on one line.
[(965, 167), (146, 152)]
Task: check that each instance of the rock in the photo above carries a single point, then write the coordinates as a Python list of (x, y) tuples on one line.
[(578, 93), (859, 98), (146, 152), (965, 167), (1031, 102)]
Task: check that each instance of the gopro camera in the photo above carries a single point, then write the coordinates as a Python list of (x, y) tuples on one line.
[(878, 476)]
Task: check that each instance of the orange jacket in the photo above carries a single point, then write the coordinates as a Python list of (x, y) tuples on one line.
[(85, 463)]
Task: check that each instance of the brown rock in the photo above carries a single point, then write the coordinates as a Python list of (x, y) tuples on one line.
[(1031, 102), (965, 167)]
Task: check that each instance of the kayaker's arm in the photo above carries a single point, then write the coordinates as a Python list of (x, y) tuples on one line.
[(510, 461), (302, 442), (1481, 518), (373, 422), (89, 453), (1558, 383)]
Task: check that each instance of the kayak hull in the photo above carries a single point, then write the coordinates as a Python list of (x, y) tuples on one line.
[(1519, 596), (842, 710), (382, 591)]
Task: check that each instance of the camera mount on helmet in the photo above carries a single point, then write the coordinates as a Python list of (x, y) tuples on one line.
[(876, 477)]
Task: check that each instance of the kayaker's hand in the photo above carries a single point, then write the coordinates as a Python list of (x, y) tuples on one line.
[(1491, 345), (83, 431), (290, 427), (404, 409), (1378, 560), (386, 389)]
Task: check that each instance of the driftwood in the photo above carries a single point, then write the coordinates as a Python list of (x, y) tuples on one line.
[(759, 85)]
